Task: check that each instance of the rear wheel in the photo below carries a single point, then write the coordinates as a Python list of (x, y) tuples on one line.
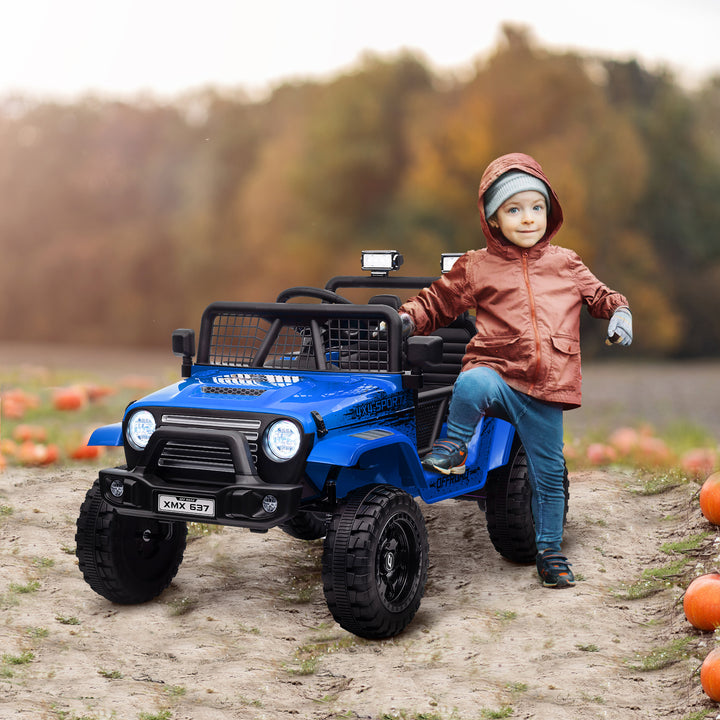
[(375, 562), (508, 508), (126, 559)]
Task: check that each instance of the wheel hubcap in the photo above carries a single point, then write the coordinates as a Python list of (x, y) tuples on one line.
[(398, 563)]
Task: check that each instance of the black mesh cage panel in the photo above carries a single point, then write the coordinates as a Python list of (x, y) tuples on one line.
[(292, 337)]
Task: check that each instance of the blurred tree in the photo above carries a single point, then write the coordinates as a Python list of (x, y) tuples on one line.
[(354, 155), (120, 221), (86, 190), (224, 139), (678, 208)]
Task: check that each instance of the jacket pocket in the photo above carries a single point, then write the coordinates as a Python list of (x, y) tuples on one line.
[(566, 345), (565, 372), (509, 355), (505, 345)]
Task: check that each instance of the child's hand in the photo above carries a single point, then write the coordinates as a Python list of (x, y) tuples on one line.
[(620, 327), (408, 326)]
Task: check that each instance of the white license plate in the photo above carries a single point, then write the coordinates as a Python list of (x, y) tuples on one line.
[(184, 505)]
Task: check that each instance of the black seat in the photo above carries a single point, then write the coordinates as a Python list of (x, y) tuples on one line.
[(438, 380), (455, 338), (392, 301)]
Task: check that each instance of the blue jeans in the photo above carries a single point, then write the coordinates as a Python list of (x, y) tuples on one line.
[(481, 391)]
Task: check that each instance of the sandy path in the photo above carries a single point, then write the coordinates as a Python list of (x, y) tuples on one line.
[(231, 638)]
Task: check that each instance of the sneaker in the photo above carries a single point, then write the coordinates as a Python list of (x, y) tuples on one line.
[(446, 457), (554, 569)]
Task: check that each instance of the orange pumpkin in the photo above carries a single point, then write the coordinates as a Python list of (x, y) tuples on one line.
[(710, 498), (69, 398), (710, 674), (599, 454), (86, 452), (702, 602), (8, 447), (23, 433), (96, 393), (36, 454), (698, 462), (625, 440)]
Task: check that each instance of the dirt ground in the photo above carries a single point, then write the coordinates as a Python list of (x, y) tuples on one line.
[(244, 632)]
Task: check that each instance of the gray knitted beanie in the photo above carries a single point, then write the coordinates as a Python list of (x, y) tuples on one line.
[(509, 184)]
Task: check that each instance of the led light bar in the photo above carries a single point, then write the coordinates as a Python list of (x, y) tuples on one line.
[(381, 262)]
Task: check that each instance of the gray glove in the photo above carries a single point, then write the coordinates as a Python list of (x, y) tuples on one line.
[(408, 326), (620, 327)]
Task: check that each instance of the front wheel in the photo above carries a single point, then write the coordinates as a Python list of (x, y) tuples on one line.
[(126, 559), (375, 562)]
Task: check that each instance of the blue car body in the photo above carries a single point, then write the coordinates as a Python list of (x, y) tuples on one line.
[(311, 417), (370, 423), (339, 373)]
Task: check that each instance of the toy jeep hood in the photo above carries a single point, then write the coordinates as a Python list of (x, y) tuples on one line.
[(338, 398)]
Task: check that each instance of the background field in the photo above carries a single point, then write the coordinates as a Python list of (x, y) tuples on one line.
[(244, 631)]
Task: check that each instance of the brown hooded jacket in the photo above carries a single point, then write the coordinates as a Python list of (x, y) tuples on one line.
[(527, 303)]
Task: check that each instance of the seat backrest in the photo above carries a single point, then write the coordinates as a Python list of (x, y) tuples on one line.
[(392, 300), (455, 339)]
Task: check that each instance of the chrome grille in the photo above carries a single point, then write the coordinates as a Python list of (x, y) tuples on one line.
[(226, 423), (186, 455), (190, 455)]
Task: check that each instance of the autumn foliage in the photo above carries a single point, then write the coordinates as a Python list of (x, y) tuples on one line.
[(131, 217)]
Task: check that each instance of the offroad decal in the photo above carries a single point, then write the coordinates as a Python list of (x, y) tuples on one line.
[(385, 405), (440, 487), (444, 484)]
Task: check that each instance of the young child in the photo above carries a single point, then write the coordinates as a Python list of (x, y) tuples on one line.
[(523, 365)]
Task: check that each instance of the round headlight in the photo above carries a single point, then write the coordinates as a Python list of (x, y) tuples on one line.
[(139, 429), (282, 440)]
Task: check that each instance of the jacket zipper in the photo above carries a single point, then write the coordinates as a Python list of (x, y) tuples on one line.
[(533, 316)]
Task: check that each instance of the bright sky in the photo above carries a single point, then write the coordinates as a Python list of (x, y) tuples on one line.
[(64, 48)]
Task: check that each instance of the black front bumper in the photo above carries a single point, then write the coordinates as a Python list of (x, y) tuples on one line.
[(245, 501)]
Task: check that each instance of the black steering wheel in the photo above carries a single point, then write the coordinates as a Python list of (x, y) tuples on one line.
[(319, 293)]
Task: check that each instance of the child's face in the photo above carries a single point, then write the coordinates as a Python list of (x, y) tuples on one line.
[(522, 218)]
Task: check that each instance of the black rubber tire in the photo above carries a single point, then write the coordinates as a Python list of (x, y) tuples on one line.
[(307, 525), (375, 562), (128, 560), (508, 508)]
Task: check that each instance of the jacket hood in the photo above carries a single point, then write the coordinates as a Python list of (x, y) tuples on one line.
[(525, 163)]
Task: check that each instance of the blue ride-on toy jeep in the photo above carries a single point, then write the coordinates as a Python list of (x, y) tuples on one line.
[(311, 417)]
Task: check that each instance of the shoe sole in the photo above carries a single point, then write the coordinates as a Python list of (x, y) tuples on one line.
[(558, 586), (458, 470)]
